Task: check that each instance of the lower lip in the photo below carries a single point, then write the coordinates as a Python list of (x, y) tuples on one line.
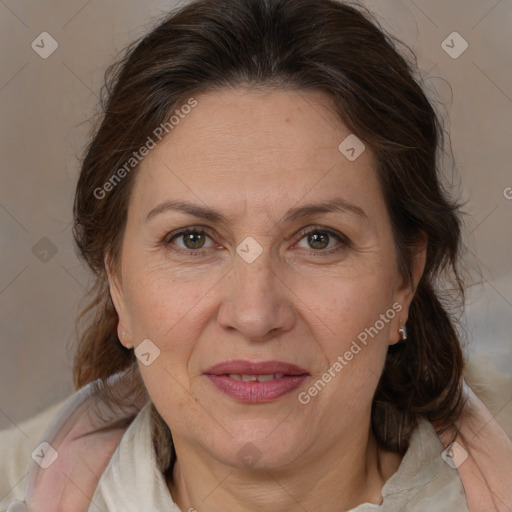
[(254, 391)]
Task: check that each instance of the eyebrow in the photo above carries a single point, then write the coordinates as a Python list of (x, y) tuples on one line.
[(294, 214)]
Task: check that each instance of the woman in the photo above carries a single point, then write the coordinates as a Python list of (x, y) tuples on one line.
[(264, 212)]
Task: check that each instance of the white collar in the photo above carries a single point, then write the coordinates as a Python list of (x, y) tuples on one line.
[(132, 481), (423, 481)]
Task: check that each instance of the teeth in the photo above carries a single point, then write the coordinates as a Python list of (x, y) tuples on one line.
[(263, 378), (259, 378)]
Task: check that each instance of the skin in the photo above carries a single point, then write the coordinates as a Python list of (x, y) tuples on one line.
[(252, 154)]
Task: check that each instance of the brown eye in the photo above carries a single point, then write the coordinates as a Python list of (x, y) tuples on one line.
[(193, 240), (323, 240), (189, 240), (318, 240)]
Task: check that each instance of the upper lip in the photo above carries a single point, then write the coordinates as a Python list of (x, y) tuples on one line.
[(243, 367)]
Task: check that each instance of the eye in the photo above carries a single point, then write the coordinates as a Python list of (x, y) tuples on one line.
[(193, 240), (322, 240)]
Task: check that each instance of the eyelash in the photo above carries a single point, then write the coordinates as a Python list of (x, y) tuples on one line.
[(344, 241)]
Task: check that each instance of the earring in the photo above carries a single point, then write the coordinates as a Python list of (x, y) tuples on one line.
[(403, 331), (123, 336)]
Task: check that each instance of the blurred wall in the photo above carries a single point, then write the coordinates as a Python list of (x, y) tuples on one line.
[(47, 100)]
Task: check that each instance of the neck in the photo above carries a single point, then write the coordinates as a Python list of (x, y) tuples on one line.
[(338, 479)]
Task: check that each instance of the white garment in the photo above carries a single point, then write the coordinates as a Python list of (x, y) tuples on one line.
[(132, 481), (424, 482), (16, 446)]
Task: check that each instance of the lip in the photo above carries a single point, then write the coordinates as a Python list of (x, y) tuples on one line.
[(254, 391)]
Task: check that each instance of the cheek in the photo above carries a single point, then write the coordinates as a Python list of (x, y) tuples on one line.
[(163, 310), (344, 305), (359, 316), (159, 300), (356, 314)]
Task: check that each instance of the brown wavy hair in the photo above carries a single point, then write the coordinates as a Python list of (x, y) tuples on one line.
[(316, 45)]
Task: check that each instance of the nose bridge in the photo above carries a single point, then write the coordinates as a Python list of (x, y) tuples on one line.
[(254, 281), (254, 301), (256, 278)]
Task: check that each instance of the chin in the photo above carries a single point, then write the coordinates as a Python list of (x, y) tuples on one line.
[(258, 450)]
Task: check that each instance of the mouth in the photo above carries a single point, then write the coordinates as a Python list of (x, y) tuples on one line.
[(251, 382), (252, 378)]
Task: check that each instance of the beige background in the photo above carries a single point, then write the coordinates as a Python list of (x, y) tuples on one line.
[(45, 107)]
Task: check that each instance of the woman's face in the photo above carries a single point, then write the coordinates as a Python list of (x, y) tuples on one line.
[(274, 279)]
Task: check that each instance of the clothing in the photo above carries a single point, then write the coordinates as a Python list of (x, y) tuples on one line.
[(67, 461), (102, 466), (424, 482), (423, 478), (126, 486)]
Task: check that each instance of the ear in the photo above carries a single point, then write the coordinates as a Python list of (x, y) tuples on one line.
[(118, 299), (406, 289)]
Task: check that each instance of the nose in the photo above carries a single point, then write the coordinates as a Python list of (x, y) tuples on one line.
[(256, 300)]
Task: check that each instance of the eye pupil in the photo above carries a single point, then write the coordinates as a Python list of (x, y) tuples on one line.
[(193, 238), (315, 238)]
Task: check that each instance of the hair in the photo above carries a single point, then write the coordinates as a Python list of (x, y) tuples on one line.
[(305, 45)]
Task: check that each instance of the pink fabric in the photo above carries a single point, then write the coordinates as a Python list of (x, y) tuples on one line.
[(486, 473), (483, 456), (69, 482)]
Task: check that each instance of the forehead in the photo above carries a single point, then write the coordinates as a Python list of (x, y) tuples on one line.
[(259, 146)]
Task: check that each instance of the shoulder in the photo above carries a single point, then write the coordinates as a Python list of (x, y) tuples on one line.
[(16, 446), (76, 437), (490, 376)]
